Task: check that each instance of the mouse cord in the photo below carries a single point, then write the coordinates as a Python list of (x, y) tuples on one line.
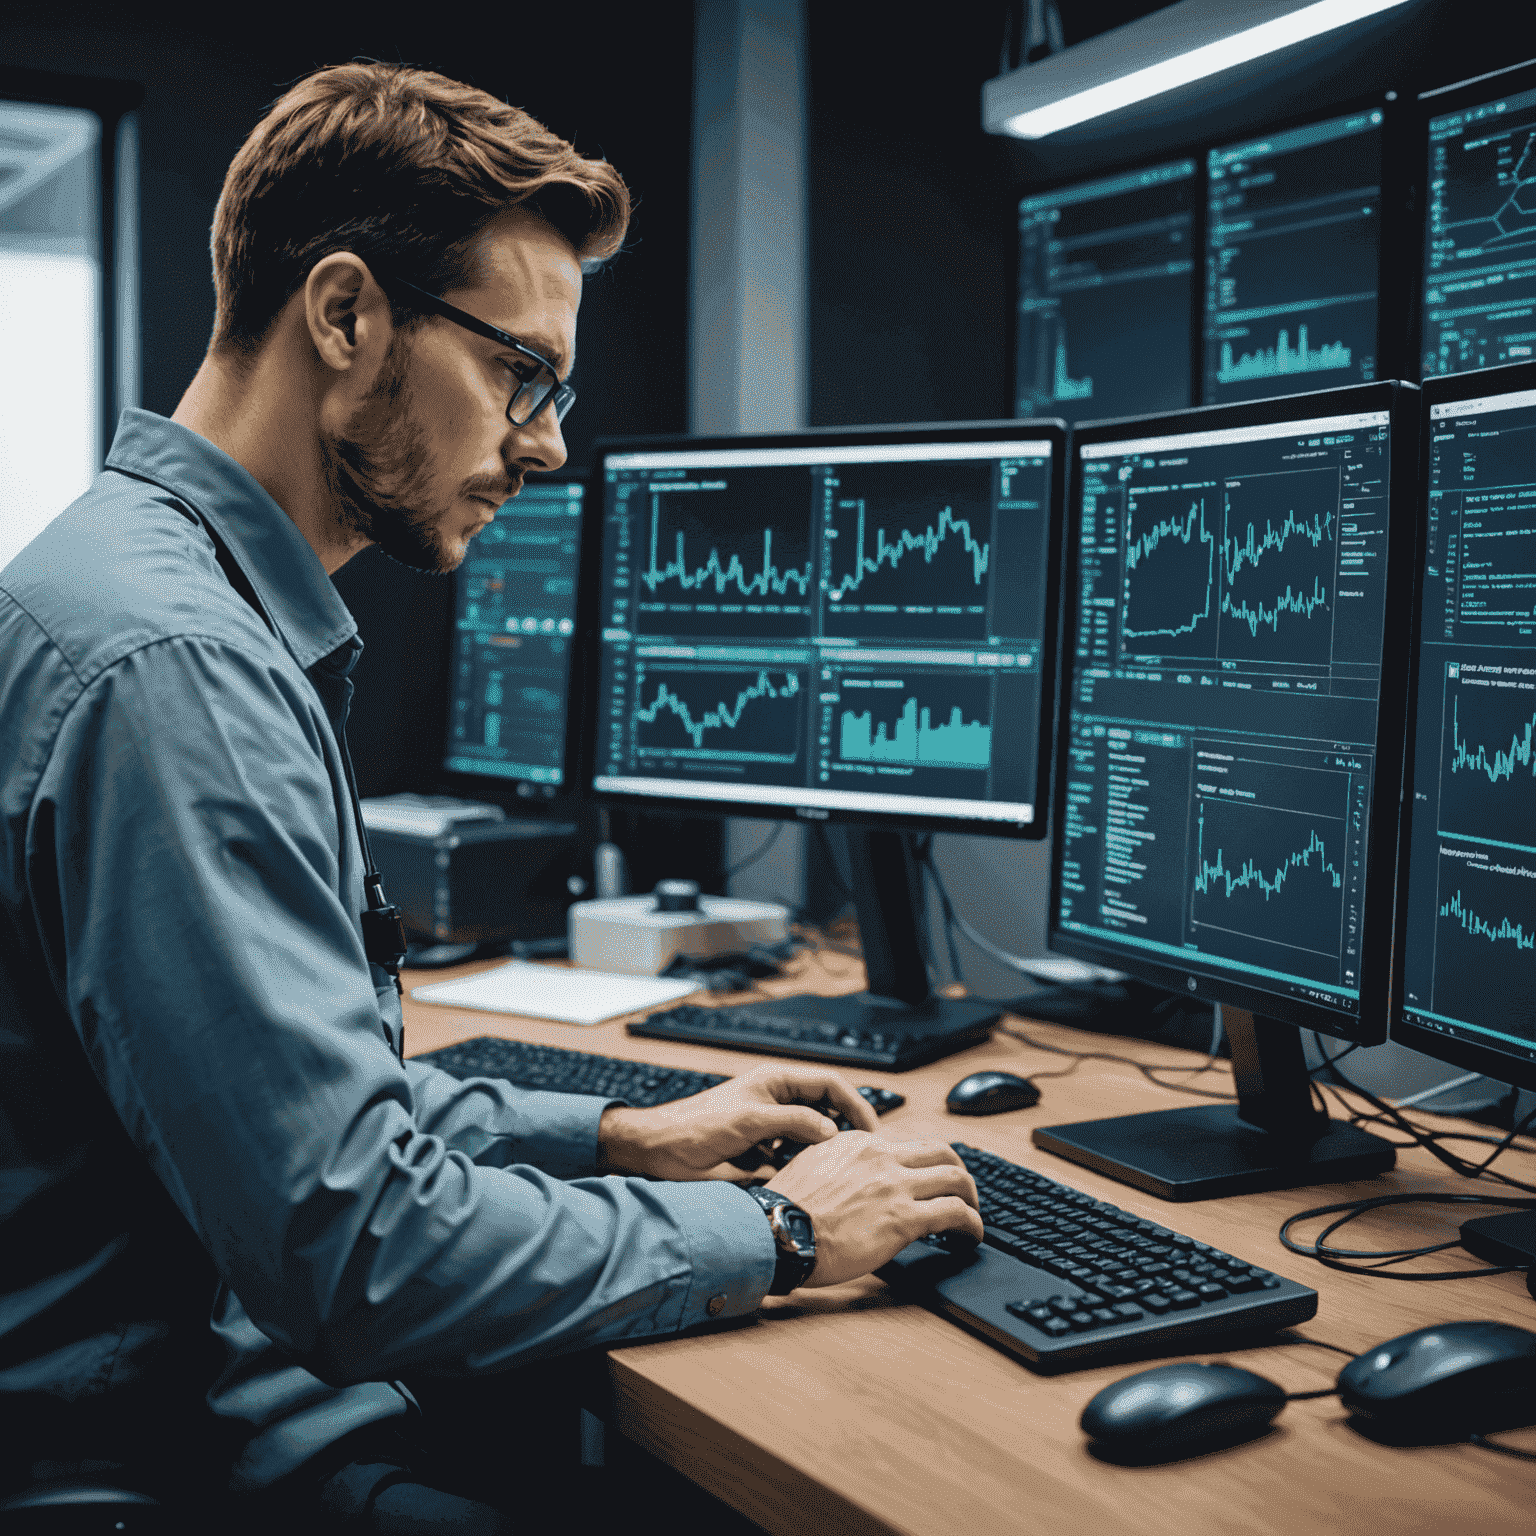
[(1503, 1450), (1336, 1258), (1147, 1069)]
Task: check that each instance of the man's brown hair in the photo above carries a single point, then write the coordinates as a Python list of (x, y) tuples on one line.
[(403, 168)]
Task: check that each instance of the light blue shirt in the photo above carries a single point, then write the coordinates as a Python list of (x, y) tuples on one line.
[(193, 1044)]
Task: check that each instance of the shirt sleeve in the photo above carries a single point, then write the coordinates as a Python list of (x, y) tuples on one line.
[(184, 839)]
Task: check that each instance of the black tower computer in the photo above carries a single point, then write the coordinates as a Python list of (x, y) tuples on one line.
[(1230, 752), (1465, 984), (850, 626)]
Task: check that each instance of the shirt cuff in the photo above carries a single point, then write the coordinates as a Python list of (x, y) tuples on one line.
[(730, 1248), (561, 1131)]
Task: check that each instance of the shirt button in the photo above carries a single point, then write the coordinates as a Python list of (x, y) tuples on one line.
[(715, 1305)]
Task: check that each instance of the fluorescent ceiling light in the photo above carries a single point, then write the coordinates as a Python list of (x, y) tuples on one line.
[(1196, 64)]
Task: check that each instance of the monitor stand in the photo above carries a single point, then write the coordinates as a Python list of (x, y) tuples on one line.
[(887, 895), (1272, 1138), (1508, 1239)]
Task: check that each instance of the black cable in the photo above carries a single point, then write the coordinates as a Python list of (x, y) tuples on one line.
[(1503, 1450), (1336, 1258), (1427, 1139), (1147, 1069)]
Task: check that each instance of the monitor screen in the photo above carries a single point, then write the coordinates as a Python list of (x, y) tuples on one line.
[(1480, 236), (1468, 906), (1292, 257), (514, 626), (1105, 295), (1220, 777), (856, 625)]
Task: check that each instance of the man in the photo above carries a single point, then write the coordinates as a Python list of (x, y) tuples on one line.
[(204, 1101)]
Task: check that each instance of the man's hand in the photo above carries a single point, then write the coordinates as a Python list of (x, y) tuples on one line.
[(692, 1138), (868, 1198)]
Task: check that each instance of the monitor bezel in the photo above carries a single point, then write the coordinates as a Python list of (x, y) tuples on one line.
[(1368, 1026), (507, 790), (1438, 390), (589, 618), (1195, 153), (1394, 287), (1430, 104)]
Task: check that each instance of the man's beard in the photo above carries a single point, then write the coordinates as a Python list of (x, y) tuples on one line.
[(378, 471)]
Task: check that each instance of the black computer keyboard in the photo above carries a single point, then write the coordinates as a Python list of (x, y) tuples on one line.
[(1063, 1280), (776, 1030), (557, 1070)]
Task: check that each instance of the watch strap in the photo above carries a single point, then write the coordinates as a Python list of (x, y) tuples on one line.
[(796, 1258)]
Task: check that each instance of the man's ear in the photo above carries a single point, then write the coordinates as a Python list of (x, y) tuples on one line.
[(347, 313)]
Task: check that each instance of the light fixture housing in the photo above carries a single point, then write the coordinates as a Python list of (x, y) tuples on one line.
[(1159, 53)]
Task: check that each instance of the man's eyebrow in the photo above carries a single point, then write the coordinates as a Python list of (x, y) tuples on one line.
[(548, 349)]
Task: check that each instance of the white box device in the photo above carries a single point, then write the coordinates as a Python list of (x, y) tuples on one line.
[(642, 935)]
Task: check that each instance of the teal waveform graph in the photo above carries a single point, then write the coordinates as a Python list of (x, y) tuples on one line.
[(1279, 558), (929, 541), (768, 580), (727, 715), (1281, 360), (908, 547), (1487, 764), (1484, 941), (915, 740), (1170, 575), (1481, 928), (1285, 889)]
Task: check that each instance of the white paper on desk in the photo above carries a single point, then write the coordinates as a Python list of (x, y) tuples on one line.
[(553, 992)]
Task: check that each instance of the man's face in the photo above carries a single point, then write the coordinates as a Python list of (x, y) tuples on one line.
[(429, 454)]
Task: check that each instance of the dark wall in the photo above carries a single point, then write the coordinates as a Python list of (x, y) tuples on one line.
[(617, 81), (912, 205)]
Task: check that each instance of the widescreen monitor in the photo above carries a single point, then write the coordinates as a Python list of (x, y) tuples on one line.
[(514, 631), (1292, 259), (1230, 742), (855, 626), (1106, 294), (1467, 954), (1479, 296)]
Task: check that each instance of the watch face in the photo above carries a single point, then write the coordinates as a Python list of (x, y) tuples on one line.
[(799, 1225)]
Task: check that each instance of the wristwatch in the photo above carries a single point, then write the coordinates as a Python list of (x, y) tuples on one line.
[(793, 1236)]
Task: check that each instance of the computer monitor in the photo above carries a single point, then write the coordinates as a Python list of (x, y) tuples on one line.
[(841, 625), (1479, 294), (1292, 258), (1466, 939), (514, 631), (1106, 294), (1230, 745)]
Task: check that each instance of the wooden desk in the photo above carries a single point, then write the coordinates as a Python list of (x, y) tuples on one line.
[(843, 1410)]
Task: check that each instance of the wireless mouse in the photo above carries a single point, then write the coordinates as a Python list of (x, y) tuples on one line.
[(1452, 1378), (1181, 1407), (990, 1093)]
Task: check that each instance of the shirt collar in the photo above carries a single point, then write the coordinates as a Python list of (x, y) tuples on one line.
[(284, 570)]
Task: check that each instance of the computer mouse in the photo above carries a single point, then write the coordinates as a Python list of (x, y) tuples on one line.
[(990, 1093), (1452, 1377), (1181, 1407)]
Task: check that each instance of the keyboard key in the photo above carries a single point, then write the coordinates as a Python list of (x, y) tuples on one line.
[(1156, 1303), (1082, 1321), (1182, 1300), (1105, 1315), (1128, 1310), (1054, 1326), (1210, 1291)]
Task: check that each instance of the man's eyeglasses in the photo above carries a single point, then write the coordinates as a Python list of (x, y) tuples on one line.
[(536, 387)]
